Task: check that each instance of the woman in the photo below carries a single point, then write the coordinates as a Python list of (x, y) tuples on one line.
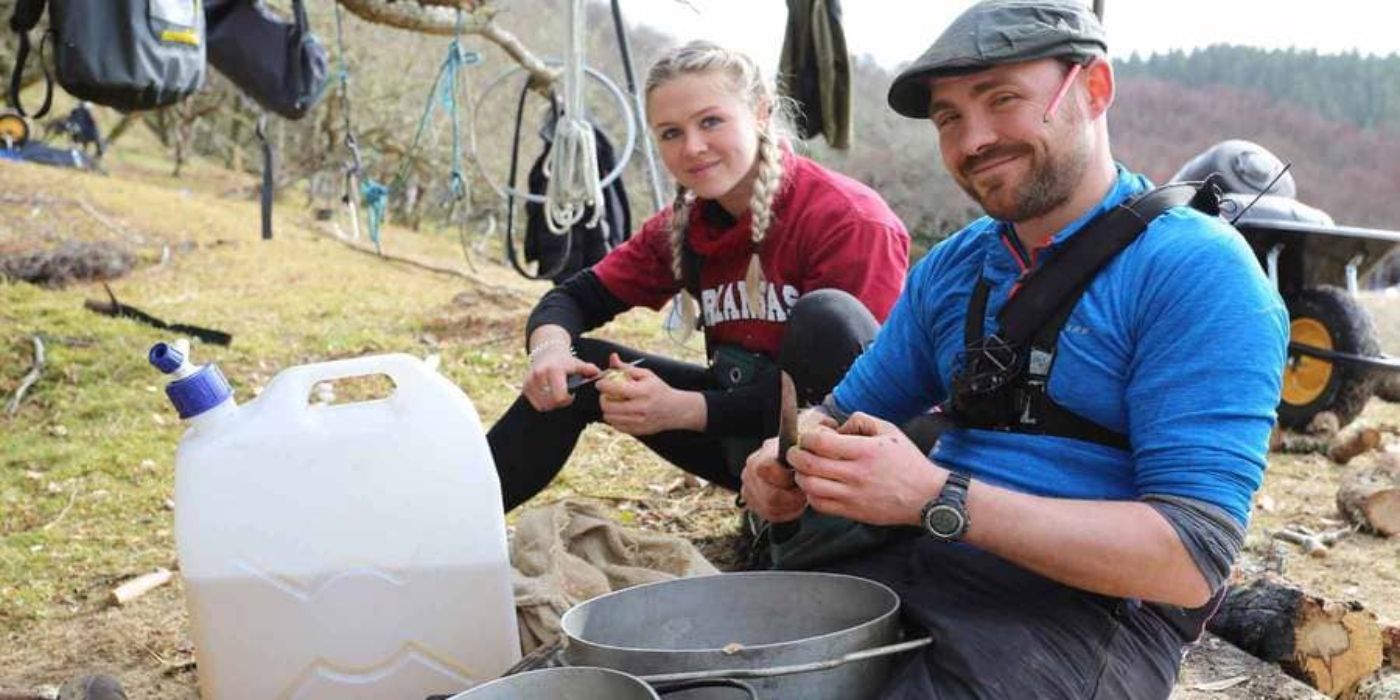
[(753, 232)]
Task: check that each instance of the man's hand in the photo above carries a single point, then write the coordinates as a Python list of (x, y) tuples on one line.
[(546, 385), (768, 487), (868, 471), (635, 401)]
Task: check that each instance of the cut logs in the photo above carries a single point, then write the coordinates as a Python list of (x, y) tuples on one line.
[(1215, 669), (1340, 447), (139, 586), (1327, 644), (1353, 442), (1369, 495)]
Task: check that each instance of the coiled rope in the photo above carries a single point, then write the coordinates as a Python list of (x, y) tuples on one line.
[(574, 183)]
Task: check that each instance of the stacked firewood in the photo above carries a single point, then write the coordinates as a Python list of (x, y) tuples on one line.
[(1338, 647)]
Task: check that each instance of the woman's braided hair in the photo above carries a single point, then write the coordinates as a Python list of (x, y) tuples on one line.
[(747, 81)]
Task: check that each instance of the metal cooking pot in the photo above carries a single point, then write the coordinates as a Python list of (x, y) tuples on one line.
[(755, 620)]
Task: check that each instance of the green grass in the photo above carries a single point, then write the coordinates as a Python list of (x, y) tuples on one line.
[(86, 465)]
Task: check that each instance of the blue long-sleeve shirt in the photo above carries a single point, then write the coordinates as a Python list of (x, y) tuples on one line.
[(1179, 343)]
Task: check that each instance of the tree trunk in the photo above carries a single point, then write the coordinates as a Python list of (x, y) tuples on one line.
[(1370, 495), (1328, 645)]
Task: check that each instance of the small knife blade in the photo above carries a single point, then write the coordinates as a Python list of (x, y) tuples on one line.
[(787, 418), (575, 381)]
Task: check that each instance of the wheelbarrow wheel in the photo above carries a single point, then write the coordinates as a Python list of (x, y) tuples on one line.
[(1330, 319)]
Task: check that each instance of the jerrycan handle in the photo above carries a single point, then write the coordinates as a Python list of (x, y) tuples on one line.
[(292, 387)]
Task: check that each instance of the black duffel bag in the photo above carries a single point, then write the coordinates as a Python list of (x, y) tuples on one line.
[(282, 66), (127, 54)]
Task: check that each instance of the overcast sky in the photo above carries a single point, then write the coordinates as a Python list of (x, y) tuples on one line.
[(897, 31)]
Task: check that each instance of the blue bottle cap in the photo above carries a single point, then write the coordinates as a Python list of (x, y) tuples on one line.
[(165, 357), (199, 392)]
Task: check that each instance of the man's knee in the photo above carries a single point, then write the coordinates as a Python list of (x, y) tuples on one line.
[(827, 329)]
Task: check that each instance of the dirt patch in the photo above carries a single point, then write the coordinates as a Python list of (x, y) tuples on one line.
[(69, 262), (145, 645)]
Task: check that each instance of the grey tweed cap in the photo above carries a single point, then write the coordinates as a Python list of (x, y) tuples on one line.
[(994, 32)]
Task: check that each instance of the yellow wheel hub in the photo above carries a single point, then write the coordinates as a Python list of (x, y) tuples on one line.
[(13, 130), (1305, 378)]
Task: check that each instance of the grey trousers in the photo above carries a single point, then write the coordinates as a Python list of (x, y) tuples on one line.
[(1001, 631)]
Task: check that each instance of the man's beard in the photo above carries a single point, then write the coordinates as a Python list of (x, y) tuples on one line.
[(1049, 183)]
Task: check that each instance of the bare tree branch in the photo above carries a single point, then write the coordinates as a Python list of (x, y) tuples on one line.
[(438, 17)]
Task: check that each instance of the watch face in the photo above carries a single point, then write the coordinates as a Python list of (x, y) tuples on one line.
[(944, 521)]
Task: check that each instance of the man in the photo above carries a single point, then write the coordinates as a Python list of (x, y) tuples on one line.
[(1047, 561)]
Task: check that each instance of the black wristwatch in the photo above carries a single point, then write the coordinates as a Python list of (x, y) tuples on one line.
[(945, 517)]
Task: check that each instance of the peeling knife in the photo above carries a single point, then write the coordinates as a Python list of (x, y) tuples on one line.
[(787, 418), (574, 381)]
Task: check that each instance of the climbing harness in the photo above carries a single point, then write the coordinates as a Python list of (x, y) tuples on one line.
[(508, 190), (624, 110), (510, 202)]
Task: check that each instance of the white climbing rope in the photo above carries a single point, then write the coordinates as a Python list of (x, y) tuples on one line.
[(573, 163)]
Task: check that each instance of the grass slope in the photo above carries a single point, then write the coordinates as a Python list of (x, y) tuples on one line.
[(86, 465)]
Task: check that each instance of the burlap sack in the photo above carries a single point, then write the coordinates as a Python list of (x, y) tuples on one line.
[(568, 552)]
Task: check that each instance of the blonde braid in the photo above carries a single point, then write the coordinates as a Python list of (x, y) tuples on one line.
[(680, 223), (765, 190), (746, 80)]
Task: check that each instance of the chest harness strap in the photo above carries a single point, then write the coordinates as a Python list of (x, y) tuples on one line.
[(1001, 380)]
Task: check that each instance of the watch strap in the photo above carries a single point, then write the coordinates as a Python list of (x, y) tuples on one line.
[(955, 490)]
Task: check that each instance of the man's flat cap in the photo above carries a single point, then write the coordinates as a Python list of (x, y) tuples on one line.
[(994, 32)]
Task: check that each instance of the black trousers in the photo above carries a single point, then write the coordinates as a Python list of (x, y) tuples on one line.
[(826, 330), (1001, 631)]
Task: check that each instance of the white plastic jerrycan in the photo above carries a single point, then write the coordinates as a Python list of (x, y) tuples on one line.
[(339, 551)]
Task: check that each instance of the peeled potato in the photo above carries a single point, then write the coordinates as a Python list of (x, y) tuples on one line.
[(615, 373), (611, 374)]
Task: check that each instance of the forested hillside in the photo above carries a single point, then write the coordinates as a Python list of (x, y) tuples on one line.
[(1362, 90)]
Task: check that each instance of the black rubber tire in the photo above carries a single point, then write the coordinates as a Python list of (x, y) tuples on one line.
[(1351, 330), (1388, 387)]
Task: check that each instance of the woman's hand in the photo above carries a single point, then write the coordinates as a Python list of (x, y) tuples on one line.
[(635, 401), (546, 383)]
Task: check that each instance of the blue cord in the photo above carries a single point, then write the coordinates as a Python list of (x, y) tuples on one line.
[(374, 194), (376, 198), (444, 92)]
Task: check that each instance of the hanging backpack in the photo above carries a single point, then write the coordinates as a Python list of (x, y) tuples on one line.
[(127, 54), (282, 66)]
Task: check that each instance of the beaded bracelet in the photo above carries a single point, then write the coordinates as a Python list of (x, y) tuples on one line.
[(535, 351)]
